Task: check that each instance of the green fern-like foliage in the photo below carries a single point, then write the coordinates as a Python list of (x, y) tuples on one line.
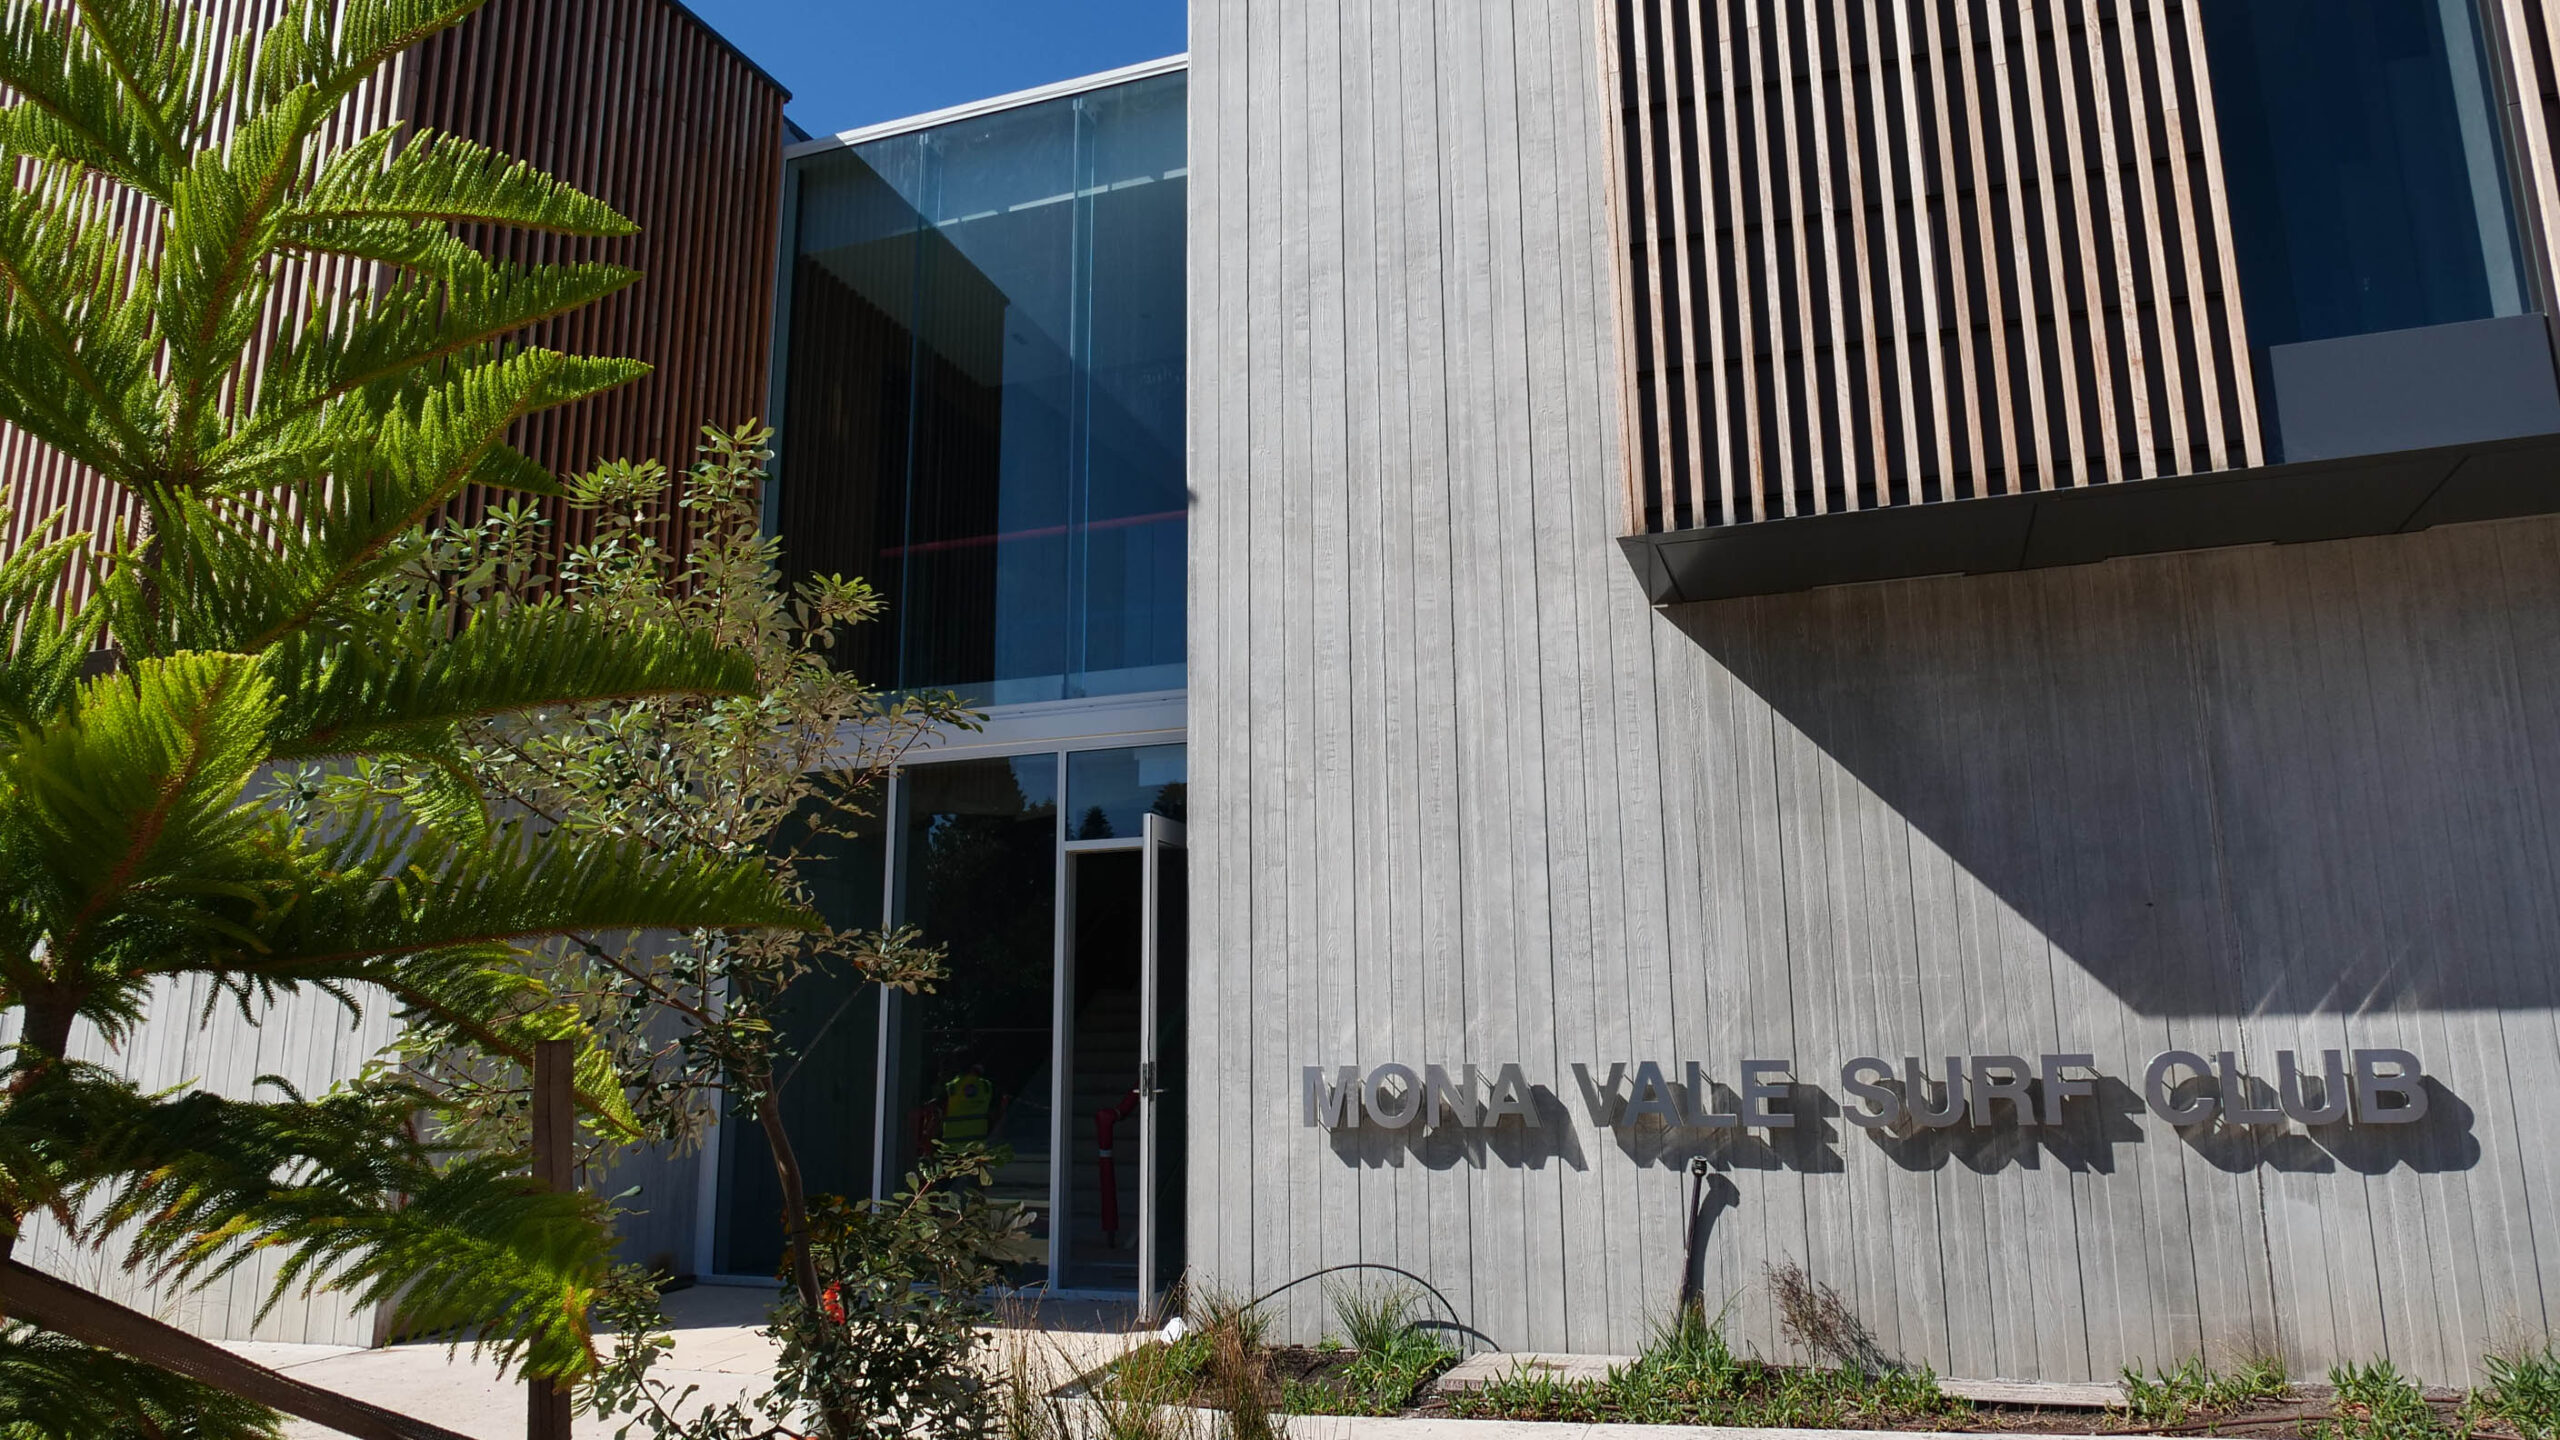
[(51, 1387), (170, 198)]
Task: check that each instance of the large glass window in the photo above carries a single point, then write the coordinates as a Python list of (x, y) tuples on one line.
[(1111, 792), (2368, 174), (984, 412)]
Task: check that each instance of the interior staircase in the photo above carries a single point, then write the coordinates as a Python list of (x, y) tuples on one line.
[(1106, 1070)]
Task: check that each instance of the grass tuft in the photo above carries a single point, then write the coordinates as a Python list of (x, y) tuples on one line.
[(2524, 1391), (2376, 1402), (2191, 1390), (1391, 1359), (1141, 1398)]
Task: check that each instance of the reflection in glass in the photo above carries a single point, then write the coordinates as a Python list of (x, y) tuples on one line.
[(1173, 1007), (977, 858), (1109, 792), (831, 1018), (1104, 939), (984, 411), (2368, 177)]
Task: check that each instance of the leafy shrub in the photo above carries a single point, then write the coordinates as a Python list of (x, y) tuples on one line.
[(891, 1346)]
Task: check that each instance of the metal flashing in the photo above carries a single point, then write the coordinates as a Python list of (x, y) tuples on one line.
[(731, 46), (2275, 504)]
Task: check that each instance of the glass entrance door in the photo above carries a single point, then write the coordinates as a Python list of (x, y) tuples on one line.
[(1121, 983), (1053, 883)]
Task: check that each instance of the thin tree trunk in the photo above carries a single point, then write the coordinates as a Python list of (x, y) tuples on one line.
[(48, 1031), (795, 1226), (795, 1197), (48, 1036)]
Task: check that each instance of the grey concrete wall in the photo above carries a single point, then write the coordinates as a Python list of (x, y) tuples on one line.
[(1459, 795), (308, 1040), (312, 1042)]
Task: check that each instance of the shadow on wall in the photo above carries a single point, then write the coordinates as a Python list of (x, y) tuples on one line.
[(2251, 782), (2086, 1142)]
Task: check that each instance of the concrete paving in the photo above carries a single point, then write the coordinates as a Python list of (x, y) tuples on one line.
[(718, 1353)]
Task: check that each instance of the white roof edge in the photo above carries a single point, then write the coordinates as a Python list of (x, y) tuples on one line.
[(988, 106)]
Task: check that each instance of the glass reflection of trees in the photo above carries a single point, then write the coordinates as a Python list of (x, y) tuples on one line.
[(978, 862)]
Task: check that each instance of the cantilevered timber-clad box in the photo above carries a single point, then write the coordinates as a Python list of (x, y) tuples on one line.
[(1906, 290)]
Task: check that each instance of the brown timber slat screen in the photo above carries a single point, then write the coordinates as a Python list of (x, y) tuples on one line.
[(38, 480), (634, 101), (1886, 252), (2524, 30), (637, 103)]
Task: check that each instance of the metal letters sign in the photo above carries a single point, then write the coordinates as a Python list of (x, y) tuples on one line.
[(2362, 1087)]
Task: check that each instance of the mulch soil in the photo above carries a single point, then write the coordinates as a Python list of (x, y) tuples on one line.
[(2305, 1414), (2298, 1417)]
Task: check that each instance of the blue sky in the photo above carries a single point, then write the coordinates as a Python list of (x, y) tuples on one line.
[(855, 62)]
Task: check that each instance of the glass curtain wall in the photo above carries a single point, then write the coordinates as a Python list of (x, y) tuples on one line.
[(984, 412), (980, 847), (2369, 177)]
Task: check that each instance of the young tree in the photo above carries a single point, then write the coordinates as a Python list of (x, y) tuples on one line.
[(787, 773), (155, 687)]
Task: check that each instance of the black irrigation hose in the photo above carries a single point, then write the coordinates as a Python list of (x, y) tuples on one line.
[(1689, 1297), (1456, 1321), (1688, 1269)]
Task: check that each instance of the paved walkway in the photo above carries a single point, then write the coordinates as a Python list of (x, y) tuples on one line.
[(717, 1350)]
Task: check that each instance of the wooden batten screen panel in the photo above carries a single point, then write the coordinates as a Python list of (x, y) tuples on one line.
[(1889, 252), (637, 103), (634, 101), (40, 481), (2525, 32)]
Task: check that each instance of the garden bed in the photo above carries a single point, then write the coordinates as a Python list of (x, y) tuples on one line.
[(1385, 1366)]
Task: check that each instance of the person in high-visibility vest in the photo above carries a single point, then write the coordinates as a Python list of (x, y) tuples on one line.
[(968, 1104)]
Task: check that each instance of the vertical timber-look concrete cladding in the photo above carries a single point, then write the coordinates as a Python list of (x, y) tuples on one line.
[(1460, 795)]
